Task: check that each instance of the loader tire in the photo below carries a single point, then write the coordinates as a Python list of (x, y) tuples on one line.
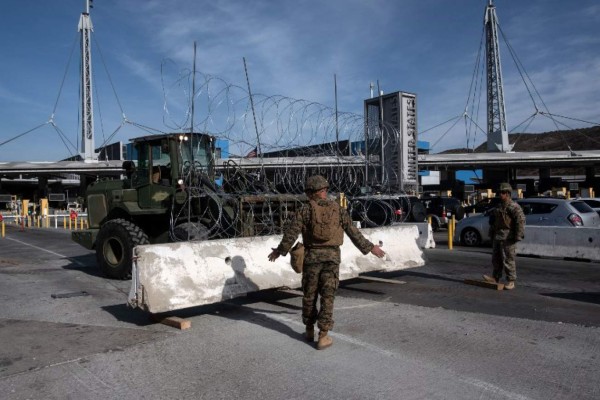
[(191, 231), (114, 247), (418, 212)]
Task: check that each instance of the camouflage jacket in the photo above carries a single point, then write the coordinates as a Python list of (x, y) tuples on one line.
[(507, 222), (301, 225)]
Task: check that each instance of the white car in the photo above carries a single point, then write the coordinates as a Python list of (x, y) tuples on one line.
[(540, 211), (592, 202)]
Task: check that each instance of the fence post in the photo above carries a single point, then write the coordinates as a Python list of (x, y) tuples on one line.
[(450, 233)]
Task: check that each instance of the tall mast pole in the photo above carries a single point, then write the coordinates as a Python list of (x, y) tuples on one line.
[(381, 129), (496, 111), (337, 129), (87, 111)]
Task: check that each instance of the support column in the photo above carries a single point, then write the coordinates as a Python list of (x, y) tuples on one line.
[(545, 181), (591, 181), (84, 181), (447, 179), (42, 190), (590, 174), (493, 177)]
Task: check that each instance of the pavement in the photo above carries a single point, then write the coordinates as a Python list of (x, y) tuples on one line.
[(66, 333)]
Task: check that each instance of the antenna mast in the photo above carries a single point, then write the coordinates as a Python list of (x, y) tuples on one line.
[(87, 111), (496, 111)]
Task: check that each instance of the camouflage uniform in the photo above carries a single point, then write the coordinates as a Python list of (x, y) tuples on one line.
[(320, 275), (507, 227)]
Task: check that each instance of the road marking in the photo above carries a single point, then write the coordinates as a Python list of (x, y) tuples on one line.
[(365, 305), (48, 251), (486, 386), (493, 388), (384, 280)]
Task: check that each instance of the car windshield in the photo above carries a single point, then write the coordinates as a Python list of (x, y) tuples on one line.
[(592, 203), (582, 207), (532, 207), (196, 153)]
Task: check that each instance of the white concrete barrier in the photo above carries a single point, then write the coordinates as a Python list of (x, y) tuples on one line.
[(173, 276), (563, 242), (425, 240)]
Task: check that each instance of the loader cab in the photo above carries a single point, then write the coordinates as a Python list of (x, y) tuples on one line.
[(153, 163), (152, 178), (164, 161)]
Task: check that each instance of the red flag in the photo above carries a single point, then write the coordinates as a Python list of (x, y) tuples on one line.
[(252, 153)]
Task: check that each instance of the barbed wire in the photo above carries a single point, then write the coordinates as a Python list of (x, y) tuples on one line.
[(258, 193)]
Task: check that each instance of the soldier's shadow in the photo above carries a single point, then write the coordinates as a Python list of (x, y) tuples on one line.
[(239, 309)]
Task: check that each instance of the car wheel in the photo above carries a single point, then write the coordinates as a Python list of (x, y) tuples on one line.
[(470, 237), (435, 224), (191, 231), (418, 212)]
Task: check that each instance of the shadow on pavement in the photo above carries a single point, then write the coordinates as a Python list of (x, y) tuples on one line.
[(238, 309), (347, 285), (85, 263), (402, 273), (593, 298), (261, 317), (124, 313)]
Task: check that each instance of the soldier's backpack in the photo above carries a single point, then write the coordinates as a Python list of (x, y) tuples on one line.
[(325, 223)]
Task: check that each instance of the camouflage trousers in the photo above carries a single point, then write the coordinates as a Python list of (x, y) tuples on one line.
[(319, 279), (503, 259)]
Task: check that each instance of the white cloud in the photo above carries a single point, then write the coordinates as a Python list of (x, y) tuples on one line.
[(293, 48)]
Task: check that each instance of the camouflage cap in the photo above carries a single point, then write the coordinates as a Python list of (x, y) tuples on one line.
[(505, 187), (315, 183)]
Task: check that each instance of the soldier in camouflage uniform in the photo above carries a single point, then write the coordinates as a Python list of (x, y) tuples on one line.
[(320, 273), (507, 227)]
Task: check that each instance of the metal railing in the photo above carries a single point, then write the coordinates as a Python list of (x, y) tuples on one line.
[(56, 221)]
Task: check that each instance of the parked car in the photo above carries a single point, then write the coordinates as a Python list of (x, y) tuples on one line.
[(441, 210), (381, 210), (592, 202), (473, 231), (484, 205)]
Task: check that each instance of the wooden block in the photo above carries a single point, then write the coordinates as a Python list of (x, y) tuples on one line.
[(175, 322), (489, 285), (374, 279)]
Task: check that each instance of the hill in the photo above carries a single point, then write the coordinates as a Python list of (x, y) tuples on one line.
[(575, 139)]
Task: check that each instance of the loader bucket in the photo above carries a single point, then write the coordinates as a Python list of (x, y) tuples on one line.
[(174, 276)]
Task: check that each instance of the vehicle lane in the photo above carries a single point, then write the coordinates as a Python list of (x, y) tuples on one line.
[(432, 337), (56, 306), (547, 289)]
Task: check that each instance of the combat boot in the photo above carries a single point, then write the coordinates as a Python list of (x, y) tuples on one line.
[(509, 285), (490, 279), (324, 340), (310, 333)]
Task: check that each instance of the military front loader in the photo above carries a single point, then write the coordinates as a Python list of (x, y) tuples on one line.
[(169, 194)]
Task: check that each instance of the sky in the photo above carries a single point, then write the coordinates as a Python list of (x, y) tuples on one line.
[(142, 48)]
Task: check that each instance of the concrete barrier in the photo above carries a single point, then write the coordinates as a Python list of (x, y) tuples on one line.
[(563, 242), (173, 276), (425, 240)]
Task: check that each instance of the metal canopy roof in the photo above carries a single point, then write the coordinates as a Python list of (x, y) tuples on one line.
[(512, 159)]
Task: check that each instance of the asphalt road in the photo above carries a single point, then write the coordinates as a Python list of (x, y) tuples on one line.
[(66, 333)]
